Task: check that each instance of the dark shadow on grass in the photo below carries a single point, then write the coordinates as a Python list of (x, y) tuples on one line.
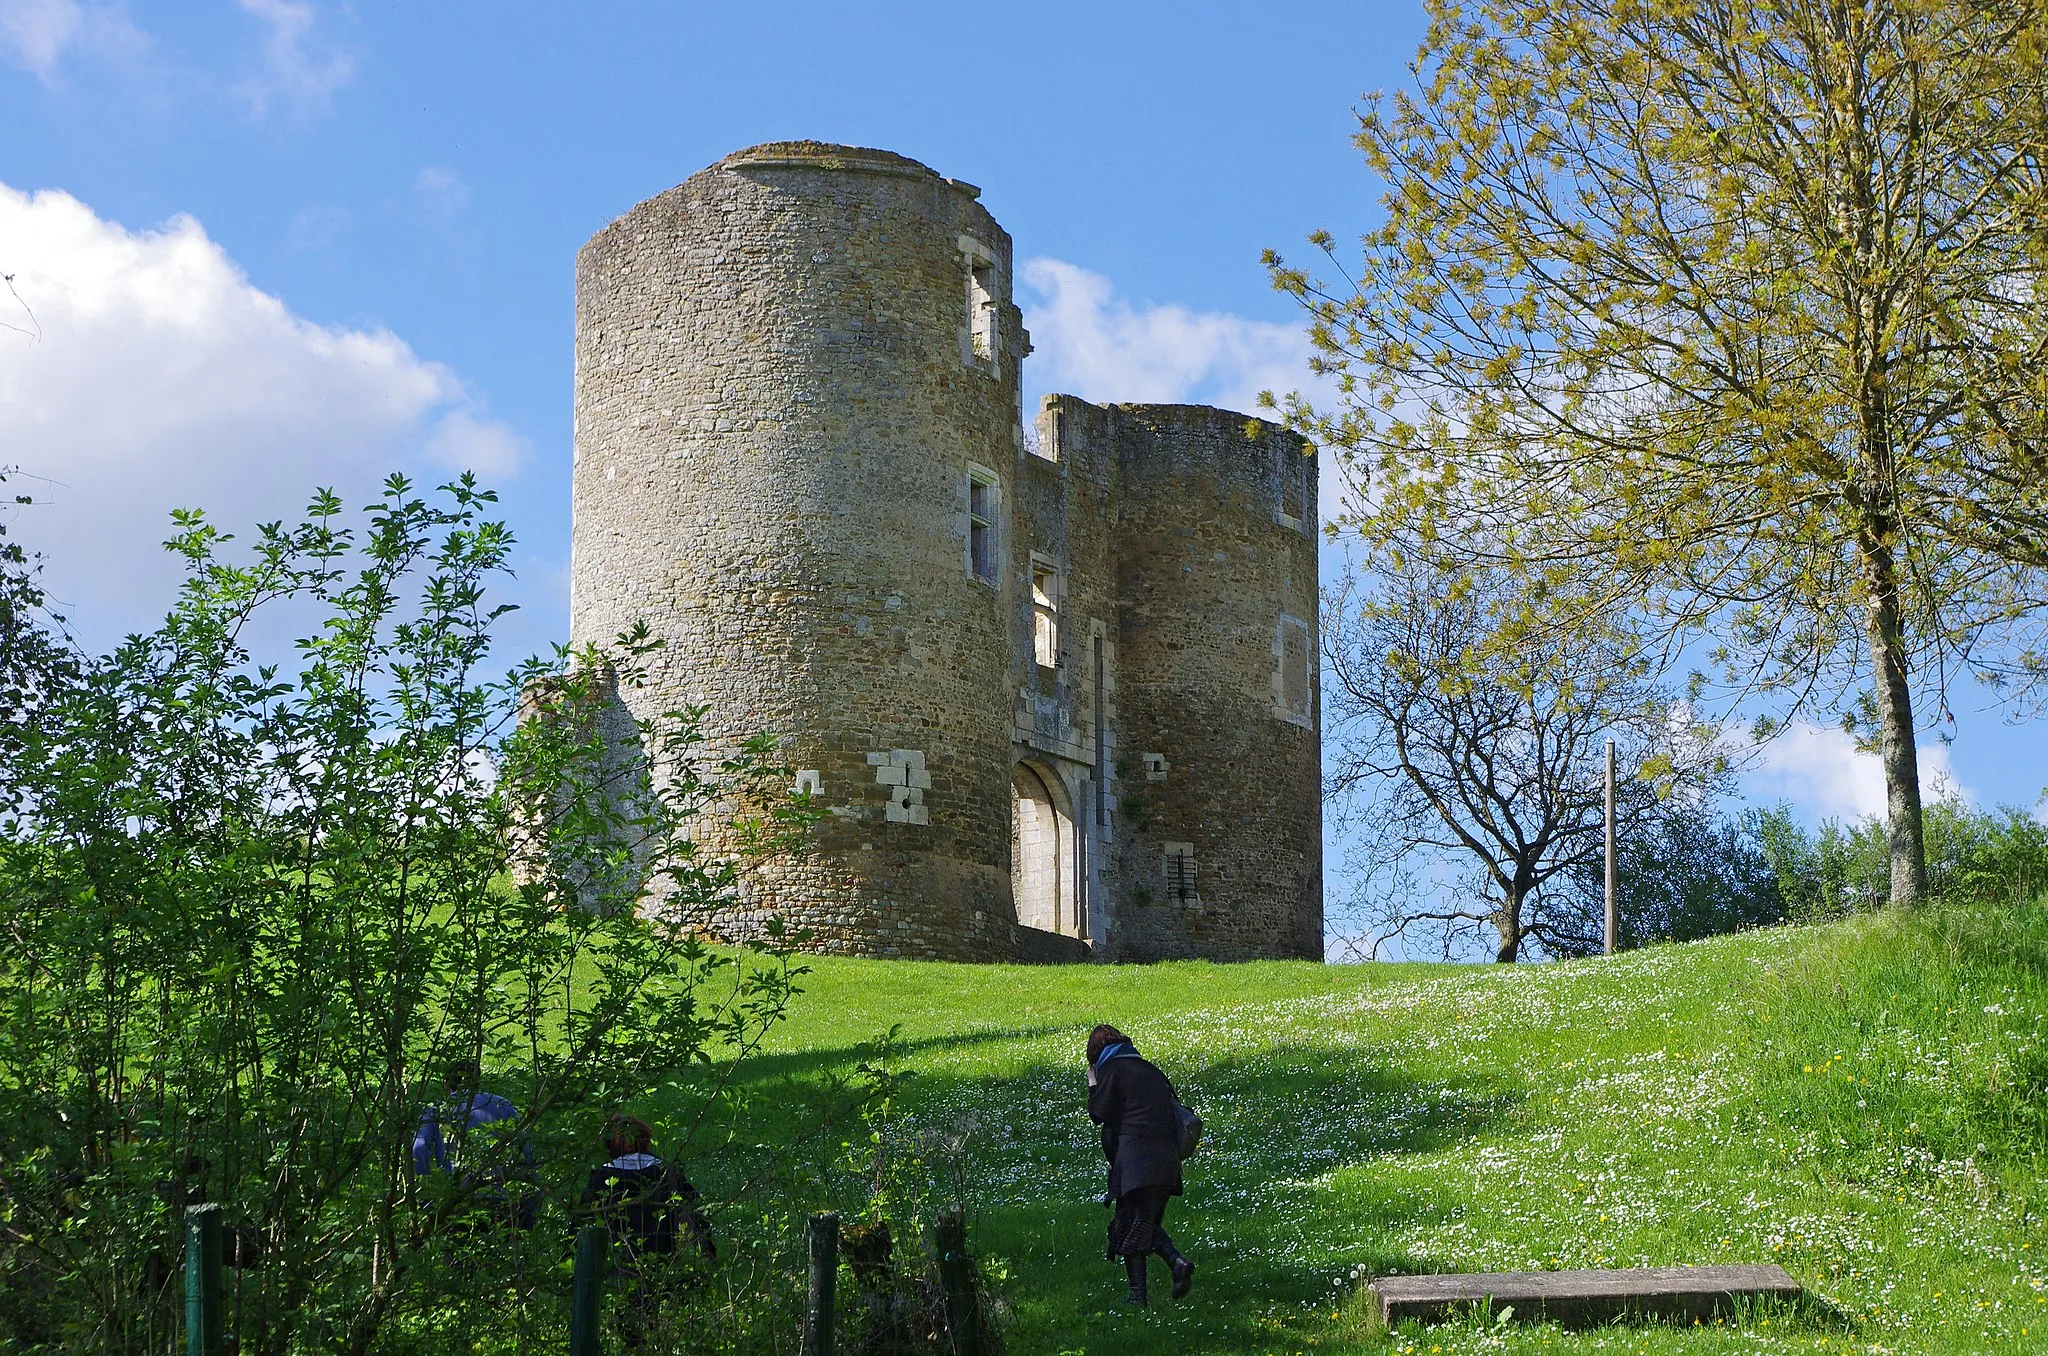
[(1256, 1217), (1266, 1233), (770, 1066)]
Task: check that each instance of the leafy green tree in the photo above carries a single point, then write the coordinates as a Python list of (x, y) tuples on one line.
[(36, 660), (253, 914), (1687, 872), (1997, 857), (1734, 313), (1467, 736)]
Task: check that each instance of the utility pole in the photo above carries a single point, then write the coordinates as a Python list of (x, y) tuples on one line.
[(1613, 914)]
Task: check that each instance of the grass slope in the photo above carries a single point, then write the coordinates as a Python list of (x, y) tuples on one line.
[(1861, 1103)]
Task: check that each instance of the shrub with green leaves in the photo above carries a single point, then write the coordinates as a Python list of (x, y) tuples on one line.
[(1997, 856), (1690, 870), (254, 909)]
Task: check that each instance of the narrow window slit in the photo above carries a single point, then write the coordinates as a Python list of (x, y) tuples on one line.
[(982, 500), (1045, 613)]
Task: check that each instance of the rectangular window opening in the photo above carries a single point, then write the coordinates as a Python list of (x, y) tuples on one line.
[(982, 498), (1048, 444), (1293, 485), (1045, 613), (1180, 873), (981, 309), (1295, 692), (1032, 441)]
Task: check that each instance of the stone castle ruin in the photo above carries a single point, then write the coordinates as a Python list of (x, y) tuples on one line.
[(1056, 689)]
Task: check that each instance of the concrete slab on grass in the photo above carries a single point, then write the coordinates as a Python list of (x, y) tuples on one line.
[(1584, 1296)]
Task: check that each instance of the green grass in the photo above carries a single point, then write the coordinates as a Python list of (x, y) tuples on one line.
[(1861, 1103)]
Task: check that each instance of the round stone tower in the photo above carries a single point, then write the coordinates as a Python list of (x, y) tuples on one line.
[(1217, 583), (796, 401)]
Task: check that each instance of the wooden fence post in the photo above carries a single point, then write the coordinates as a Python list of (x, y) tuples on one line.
[(956, 1279), (819, 1314), (204, 1329), (592, 1261)]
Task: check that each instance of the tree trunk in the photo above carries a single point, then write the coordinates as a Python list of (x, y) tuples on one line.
[(1897, 745), (1508, 922)]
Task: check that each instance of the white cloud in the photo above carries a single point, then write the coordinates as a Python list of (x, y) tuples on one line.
[(1820, 769), (299, 68), (440, 191), (37, 34), (163, 378), (463, 442), (1092, 343)]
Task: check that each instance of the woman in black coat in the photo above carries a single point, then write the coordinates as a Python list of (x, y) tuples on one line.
[(1140, 1118), (647, 1208)]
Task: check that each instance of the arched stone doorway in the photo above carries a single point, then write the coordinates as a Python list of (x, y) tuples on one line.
[(1044, 872)]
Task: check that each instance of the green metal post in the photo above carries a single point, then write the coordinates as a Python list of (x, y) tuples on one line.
[(818, 1315), (204, 1329), (592, 1261), (956, 1279)]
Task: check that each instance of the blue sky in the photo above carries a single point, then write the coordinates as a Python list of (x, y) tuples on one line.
[(277, 243), (429, 170)]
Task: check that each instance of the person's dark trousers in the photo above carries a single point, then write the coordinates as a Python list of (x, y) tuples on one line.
[(1136, 1232), (1134, 1269)]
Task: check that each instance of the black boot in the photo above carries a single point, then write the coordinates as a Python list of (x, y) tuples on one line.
[(1183, 1270), (1134, 1267)]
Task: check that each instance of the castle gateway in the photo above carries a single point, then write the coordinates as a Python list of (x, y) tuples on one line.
[(1056, 688)]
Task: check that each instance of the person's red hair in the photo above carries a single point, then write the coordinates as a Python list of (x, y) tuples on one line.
[(627, 1135)]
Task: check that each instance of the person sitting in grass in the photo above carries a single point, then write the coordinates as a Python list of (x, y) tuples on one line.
[(1140, 1118)]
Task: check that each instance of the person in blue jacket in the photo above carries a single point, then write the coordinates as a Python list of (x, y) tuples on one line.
[(488, 1159), (1136, 1107)]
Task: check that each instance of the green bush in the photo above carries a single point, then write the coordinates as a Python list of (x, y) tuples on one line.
[(1989, 856), (255, 909), (1686, 873)]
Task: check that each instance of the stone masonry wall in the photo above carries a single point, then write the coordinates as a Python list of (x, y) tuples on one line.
[(1065, 517), (790, 370), (778, 400), (1220, 837)]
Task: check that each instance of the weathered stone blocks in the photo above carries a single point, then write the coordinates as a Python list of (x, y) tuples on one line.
[(799, 457)]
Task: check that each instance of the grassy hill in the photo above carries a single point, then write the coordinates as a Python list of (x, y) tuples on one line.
[(1862, 1103)]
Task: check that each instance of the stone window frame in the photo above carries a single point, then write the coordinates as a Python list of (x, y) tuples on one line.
[(1291, 471), (981, 334), (989, 524), (1177, 871), (1046, 615), (1305, 717)]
